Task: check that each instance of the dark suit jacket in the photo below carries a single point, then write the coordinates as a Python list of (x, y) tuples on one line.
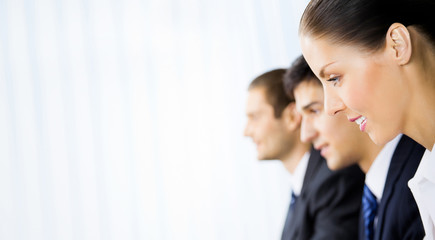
[(329, 204), (398, 215)]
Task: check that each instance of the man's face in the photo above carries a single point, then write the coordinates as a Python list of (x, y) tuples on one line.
[(337, 138), (270, 134)]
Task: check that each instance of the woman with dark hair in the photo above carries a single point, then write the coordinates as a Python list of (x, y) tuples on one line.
[(376, 61)]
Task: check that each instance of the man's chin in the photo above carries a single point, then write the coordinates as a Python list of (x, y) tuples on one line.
[(335, 164)]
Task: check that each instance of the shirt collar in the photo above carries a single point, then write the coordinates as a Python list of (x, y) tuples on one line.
[(428, 164), (377, 174), (424, 172), (297, 178)]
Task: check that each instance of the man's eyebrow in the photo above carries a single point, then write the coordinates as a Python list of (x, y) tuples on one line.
[(322, 70), (309, 105)]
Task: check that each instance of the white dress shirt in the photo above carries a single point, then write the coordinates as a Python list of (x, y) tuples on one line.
[(297, 178), (423, 188), (377, 174)]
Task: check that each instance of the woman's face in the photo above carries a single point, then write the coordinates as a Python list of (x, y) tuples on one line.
[(366, 87)]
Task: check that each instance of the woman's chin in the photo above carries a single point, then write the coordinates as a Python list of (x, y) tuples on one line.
[(380, 138)]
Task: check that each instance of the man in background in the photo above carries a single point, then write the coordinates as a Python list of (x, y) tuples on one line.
[(324, 204)]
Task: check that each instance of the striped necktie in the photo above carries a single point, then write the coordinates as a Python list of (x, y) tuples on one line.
[(370, 208)]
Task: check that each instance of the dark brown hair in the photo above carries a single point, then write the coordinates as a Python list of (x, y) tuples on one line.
[(366, 22), (272, 83), (298, 72)]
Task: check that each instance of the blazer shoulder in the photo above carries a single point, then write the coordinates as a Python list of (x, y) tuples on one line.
[(326, 187), (332, 200), (337, 184)]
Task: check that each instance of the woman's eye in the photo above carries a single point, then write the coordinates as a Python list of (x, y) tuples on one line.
[(334, 79)]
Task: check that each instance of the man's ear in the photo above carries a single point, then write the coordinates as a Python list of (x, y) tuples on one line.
[(292, 117), (398, 40)]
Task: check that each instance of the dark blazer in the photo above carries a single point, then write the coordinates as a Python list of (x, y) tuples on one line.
[(398, 215), (329, 204)]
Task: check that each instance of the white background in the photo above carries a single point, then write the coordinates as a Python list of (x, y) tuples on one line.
[(123, 119)]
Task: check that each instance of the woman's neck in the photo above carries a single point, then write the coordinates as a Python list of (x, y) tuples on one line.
[(421, 126), (421, 113)]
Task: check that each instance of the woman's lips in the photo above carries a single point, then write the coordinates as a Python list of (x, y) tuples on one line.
[(354, 119), (361, 121), (362, 125)]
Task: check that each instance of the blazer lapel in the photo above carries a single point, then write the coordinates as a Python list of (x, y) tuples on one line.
[(314, 163), (400, 156)]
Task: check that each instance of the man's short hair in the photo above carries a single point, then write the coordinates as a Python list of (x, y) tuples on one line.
[(272, 82), (298, 72)]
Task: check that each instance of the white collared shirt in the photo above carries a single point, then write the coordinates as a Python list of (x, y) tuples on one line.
[(297, 178), (377, 174), (423, 188)]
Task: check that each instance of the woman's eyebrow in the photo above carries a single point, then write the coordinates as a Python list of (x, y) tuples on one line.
[(322, 70)]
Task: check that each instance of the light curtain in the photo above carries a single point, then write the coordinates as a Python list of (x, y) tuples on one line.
[(124, 119)]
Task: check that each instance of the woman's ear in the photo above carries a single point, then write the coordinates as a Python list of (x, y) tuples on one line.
[(292, 117), (398, 40)]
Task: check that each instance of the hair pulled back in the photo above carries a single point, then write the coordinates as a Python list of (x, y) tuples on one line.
[(366, 22)]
